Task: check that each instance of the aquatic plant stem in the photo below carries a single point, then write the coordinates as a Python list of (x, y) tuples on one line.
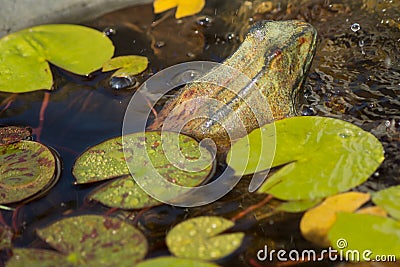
[(15, 218), (7, 102), (252, 208), (38, 130), (2, 221)]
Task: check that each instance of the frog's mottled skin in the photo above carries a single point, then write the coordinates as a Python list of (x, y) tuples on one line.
[(276, 56)]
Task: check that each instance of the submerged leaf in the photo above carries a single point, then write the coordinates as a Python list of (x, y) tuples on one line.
[(316, 222), (174, 262), (199, 238), (318, 156), (364, 232), (388, 199), (184, 7), (26, 168), (37, 257), (25, 55), (123, 193), (126, 65), (6, 236), (96, 240)]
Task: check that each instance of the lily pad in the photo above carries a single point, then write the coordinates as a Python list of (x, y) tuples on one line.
[(184, 7), (106, 160), (199, 238), (26, 168), (317, 156), (101, 162), (364, 232), (6, 236), (96, 240), (126, 65), (388, 199), (37, 257), (25, 55), (13, 134), (123, 193), (298, 206), (317, 221), (174, 262)]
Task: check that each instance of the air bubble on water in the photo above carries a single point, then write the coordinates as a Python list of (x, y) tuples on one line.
[(361, 43), (387, 124), (186, 76), (159, 44), (230, 37), (118, 83), (110, 31), (190, 54), (376, 174), (204, 21), (355, 27)]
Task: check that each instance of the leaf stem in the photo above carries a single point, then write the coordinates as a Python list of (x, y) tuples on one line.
[(252, 208)]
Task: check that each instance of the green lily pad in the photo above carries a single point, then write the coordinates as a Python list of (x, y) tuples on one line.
[(388, 199), (6, 236), (174, 262), (123, 193), (106, 160), (298, 205), (13, 134), (318, 156), (96, 240), (199, 238), (37, 257), (364, 232), (101, 162), (126, 65), (25, 55), (26, 168)]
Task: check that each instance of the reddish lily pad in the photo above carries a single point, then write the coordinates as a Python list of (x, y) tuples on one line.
[(174, 262), (37, 257), (199, 238), (96, 240), (106, 160), (123, 193), (13, 134), (26, 168)]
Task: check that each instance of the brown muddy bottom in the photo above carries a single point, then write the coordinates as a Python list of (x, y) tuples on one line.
[(355, 76)]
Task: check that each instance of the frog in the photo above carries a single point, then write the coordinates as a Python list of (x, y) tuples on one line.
[(275, 56)]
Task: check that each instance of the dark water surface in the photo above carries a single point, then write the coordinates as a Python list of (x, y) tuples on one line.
[(355, 76)]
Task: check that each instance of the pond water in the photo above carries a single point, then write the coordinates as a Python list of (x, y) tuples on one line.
[(355, 76)]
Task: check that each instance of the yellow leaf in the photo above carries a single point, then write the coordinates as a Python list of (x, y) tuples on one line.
[(184, 7), (373, 210), (317, 221)]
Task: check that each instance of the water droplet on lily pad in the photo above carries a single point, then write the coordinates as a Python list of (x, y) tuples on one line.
[(197, 239), (123, 193), (26, 168)]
